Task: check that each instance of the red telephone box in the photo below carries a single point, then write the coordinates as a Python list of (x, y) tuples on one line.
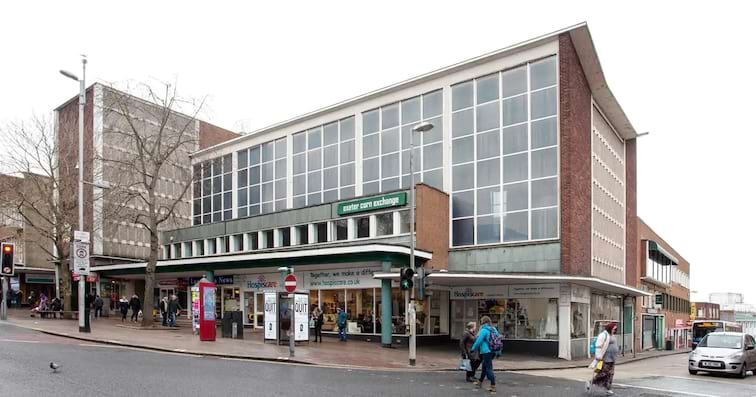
[(207, 311)]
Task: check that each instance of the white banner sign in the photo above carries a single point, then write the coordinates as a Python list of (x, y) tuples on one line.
[(480, 292), (301, 317), (506, 291), (534, 291), (342, 278), (271, 316), (81, 258)]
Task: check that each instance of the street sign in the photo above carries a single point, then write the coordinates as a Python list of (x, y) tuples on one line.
[(81, 257), (81, 236), (290, 282)]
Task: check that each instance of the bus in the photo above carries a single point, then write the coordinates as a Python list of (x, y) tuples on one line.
[(702, 327)]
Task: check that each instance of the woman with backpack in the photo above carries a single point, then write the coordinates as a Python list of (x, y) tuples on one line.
[(489, 344)]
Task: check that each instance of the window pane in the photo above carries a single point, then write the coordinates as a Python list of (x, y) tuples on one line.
[(254, 195), (515, 197), (254, 175), (432, 104), (281, 169), (432, 156), (347, 174), (488, 88), (313, 182), (462, 177), (370, 188), (390, 184), (347, 128), (516, 226), (330, 134), (462, 123), (227, 163), (300, 201), (299, 163), (544, 103), (370, 146), (313, 138), (434, 178), (489, 201), (314, 199), (330, 195), (330, 178), (488, 172), (267, 192), (514, 139), (389, 116), (347, 192), (281, 189), (462, 95), (544, 162), (487, 116), (347, 152), (267, 172), (314, 160), (488, 144), (340, 229), (242, 178), (370, 122), (462, 204), (227, 181), (254, 155), (300, 142), (242, 197), (299, 184), (390, 165), (411, 110), (544, 193), (281, 148), (384, 224), (370, 169), (267, 151), (545, 223), (330, 156), (515, 168), (390, 141), (436, 134), (543, 73), (489, 229), (241, 159), (462, 232), (462, 150), (513, 82), (217, 187), (515, 110)]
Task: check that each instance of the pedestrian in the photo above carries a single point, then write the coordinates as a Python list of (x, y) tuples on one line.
[(173, 309), (164, 310), (341, 322), (465, 344), (31, 299), (123, 306), (483, 345), (136, 306), (606, 355), (317, 318), (98, 303), (56, 306)]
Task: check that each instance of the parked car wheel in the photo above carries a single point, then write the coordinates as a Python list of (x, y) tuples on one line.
[(743, 372), (693, 372)]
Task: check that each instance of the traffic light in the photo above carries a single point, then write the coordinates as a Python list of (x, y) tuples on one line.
[(6, 263), (406, 275), (421, 283)]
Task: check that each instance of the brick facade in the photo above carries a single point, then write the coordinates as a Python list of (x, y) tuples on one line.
[(575, 162), (211, 135), (433, 224)]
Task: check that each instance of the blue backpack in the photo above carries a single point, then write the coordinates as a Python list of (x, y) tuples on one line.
[(495, 343)]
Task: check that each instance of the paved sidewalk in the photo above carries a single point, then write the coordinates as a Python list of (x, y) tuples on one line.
[(331, 352)]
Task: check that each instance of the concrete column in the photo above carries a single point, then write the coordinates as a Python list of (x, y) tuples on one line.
[(386, 308), (565, 322)]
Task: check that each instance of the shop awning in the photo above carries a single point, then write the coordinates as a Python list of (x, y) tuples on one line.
[(278, 257), (654, 246), (450, 279)]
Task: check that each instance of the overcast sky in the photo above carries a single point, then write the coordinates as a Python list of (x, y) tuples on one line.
[(684, 72)]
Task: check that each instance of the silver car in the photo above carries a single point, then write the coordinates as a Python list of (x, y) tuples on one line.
[(724, 352)]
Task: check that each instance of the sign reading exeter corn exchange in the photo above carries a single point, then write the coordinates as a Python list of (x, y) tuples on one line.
[(372, 203)]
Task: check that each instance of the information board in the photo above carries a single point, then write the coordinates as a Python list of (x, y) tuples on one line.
[(271, 316), (301, 317)]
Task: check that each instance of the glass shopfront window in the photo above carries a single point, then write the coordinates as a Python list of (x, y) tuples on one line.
[(579, 320), (526, 319)]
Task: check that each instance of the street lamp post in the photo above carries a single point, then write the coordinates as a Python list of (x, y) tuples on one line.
[(420, 128), (83, 323)]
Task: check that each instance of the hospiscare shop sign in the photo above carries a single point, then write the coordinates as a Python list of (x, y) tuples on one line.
[(372, 203)]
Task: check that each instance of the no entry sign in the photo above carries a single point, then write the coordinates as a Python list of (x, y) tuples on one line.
[(290, 282)]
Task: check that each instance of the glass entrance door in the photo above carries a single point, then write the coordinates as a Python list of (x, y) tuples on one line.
[(259, 309)]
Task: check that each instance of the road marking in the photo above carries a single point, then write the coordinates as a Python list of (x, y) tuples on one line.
[(19, 340), (707, 380), (665, 390), (106, 346)]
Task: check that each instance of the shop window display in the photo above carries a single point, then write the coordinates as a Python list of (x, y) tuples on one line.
[(579, 320)]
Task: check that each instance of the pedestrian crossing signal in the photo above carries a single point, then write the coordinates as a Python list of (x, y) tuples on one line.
[(406, 282), (6, 262)]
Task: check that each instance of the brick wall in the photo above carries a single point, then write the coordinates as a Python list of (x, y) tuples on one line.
[(433, 224), (575, 162), (211, 135)]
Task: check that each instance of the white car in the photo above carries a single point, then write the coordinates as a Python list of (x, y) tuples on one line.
[(724, 352)]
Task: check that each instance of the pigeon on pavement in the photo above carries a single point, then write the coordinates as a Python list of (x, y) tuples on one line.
[(54, 367)]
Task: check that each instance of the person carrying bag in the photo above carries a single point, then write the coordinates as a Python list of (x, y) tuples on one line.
[(470, 360)]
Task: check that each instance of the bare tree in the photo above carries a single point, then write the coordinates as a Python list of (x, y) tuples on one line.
[(38, 190), (150, 173)]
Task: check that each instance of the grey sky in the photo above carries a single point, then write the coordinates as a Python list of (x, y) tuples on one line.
[(682, 71)]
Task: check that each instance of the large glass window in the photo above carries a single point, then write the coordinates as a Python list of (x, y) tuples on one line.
[(324, 163), (212, 190), (505, 157), (261, 178), (386, 144)]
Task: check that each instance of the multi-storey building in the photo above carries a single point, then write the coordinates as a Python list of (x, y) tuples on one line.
[(526, 207), (117, 239), (664, 315)]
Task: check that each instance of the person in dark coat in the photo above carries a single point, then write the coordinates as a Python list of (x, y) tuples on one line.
[(123, 306), (173, 309), (317, 316), (98, 304), (465, 345), (164, 310), (136, 305)]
